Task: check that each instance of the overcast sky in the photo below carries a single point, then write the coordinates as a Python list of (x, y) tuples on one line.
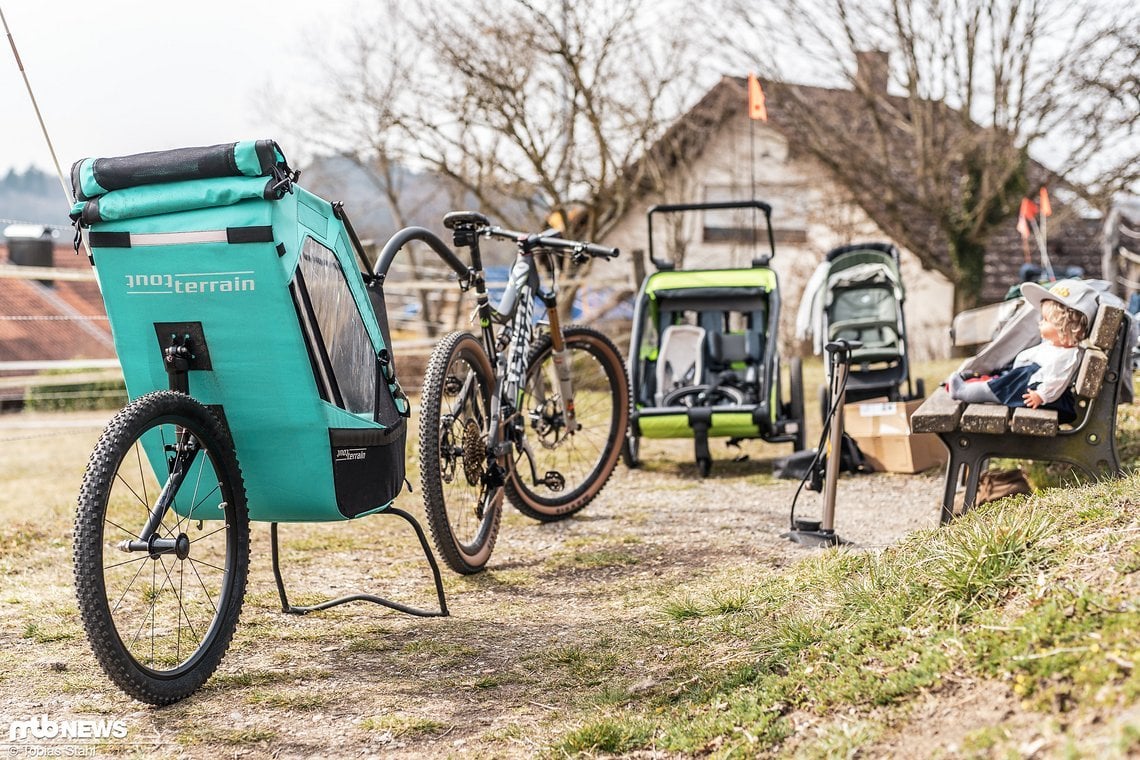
[(124, 76)]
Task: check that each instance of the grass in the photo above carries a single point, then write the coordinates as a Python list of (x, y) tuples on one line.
[(832, 656), (398, 725), (1003, 594)]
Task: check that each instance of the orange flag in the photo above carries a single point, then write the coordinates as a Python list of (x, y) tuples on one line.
[(1046, 208), (1028, 211), (756, 107)]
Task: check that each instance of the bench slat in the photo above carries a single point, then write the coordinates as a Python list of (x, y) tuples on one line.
[(1090, 376), (1104, 327), (985, 418), (938, 414), (1038, 422)]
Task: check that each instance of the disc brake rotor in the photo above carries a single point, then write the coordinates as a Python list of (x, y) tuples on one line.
[(474, 452), (549, 424)]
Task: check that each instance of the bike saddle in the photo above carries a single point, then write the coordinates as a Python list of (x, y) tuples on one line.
[(461, 219)]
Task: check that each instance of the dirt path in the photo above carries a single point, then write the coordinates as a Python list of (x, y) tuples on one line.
[(530, 644)]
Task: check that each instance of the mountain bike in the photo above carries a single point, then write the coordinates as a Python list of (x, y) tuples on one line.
[(533, 412)]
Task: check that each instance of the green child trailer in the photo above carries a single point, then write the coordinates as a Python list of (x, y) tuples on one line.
[(703, 358)]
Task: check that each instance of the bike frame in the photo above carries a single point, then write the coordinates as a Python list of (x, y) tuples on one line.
[(510, 358)]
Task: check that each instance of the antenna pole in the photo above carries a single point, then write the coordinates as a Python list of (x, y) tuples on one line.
[(43, 127)]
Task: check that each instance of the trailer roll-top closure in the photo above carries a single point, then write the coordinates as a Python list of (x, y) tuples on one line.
[(93, 177)]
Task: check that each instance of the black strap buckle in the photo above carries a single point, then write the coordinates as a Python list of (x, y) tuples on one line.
[(285, 177)]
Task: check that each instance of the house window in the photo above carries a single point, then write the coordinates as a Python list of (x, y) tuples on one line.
[(746, 225)]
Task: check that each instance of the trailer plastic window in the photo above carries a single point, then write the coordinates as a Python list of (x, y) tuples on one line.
[(344, 346)]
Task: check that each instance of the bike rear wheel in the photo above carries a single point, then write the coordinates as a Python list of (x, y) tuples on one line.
[(461, 496), (160, 614), (571, 466)]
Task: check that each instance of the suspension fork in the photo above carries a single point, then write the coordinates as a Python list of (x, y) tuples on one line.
[(186, 451), (560, 354)]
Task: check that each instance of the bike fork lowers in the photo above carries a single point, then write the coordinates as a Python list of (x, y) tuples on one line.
[(560, 355)]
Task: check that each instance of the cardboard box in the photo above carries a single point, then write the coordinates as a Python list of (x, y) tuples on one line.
[(882, 430)]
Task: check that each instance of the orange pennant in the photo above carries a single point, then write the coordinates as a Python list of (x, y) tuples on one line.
[(1046, 208), (756, 107), (1028, 211)]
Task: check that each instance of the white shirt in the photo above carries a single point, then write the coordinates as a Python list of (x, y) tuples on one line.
[(1056, 367)]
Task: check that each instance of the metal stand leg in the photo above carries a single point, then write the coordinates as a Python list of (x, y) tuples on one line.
[(292, 610)]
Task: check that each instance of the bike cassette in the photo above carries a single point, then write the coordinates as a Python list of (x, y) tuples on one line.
[(474, 452), (554, 480)]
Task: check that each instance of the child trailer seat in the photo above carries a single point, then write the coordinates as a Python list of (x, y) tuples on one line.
[(228, 282), (680, 362)]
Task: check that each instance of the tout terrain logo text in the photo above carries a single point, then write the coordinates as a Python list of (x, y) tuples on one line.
[(198, 282), (348, 455)]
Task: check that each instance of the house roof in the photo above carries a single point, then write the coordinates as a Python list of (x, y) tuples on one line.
[(65, 320), (1073, 241)]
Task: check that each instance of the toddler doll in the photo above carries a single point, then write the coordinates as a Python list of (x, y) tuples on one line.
[(1040, 375)]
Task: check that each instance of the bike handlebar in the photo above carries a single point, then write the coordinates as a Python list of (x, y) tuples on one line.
[(548, 239)]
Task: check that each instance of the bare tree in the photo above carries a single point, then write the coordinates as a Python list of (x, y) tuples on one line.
[(943, 158), (531, 107), (369, 88)]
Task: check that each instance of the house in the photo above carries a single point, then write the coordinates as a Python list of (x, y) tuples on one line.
[(715, 152)]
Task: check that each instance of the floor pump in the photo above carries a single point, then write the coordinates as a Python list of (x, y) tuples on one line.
[(822, 532)]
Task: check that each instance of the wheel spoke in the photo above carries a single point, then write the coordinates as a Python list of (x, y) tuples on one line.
[(196, 562), (132, 582), (207, 535), (132, 490), (120, 527)]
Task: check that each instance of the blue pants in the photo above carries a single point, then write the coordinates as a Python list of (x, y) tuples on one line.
[(1012, 384)]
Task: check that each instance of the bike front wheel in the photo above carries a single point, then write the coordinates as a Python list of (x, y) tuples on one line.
[(556, 470), (462, 491), (160, 610)]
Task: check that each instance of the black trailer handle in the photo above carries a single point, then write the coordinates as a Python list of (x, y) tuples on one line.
[(667, 208), (424, 235)]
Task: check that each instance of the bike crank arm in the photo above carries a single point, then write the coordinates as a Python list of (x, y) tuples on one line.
[(553, 479)]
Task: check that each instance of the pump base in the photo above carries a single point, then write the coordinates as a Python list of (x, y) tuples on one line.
[(809, 533)]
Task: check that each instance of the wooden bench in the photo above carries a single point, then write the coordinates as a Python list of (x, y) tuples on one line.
[(974, 433)]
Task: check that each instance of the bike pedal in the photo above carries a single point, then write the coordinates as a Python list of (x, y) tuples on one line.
[(554, 481)]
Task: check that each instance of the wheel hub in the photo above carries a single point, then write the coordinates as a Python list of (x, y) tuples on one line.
[(550, 425), (182, 546)]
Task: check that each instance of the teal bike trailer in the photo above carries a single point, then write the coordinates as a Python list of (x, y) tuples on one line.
[(255, 351), (703, 360)]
